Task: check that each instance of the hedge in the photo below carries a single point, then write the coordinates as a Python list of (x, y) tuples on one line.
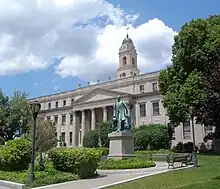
[(15, 155), (103, 151), (42, 178), (80, 161), (126, 163), (184, 147)]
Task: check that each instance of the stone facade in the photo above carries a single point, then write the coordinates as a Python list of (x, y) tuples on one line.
[(78, 111)]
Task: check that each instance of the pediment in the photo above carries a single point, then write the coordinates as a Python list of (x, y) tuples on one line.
[(99, 95)]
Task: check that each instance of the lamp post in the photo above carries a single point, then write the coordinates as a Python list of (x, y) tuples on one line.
[(35, 108), (195, 161)]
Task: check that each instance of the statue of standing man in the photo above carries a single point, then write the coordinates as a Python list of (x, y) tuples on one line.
[(121, 120)]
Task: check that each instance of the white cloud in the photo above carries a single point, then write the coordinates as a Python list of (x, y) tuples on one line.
[(153, 41), (88, 33)]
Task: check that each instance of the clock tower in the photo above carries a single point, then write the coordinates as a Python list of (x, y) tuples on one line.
[(127, 59)]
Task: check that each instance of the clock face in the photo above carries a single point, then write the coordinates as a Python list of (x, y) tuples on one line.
[(124, 47), (124, 74)]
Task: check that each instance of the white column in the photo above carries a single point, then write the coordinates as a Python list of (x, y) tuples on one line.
[(104, 114), (83, 126), (93, 120), (67, 130), (74, 130), (137, 114), (59, 129)]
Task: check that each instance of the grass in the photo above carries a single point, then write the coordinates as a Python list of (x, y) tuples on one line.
[(206, 176), (126, 163), (42, 178)]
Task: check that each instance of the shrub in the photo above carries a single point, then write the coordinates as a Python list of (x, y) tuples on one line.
[(15, 155), (103, 151), (126, 163), (178, 147), (91, 139), (80, 161), (2, 141), (184, 148), (105, 129), (42, 178), (141, 139), (153, 137)]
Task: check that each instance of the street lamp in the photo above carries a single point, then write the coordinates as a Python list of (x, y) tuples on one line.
[(35, 108), (195, 161)]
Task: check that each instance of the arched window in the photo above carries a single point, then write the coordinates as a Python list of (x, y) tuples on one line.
[(124, 60), (133, 61)]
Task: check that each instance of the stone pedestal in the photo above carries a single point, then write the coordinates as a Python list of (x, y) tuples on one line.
[(121, 145)]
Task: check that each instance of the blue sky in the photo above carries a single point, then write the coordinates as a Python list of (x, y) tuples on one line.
[(27, 52)]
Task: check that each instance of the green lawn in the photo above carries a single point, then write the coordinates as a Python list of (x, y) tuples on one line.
[(207, 176)]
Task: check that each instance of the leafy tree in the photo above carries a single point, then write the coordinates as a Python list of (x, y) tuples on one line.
[(105, 129), (91, 139), (15, 115), (45, 138), (188, 82)]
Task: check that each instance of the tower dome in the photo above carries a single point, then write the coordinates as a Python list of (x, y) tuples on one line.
[(127, 40)]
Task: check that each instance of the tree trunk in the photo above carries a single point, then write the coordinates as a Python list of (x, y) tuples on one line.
[(217, 138), (41, 163), (217, 130)]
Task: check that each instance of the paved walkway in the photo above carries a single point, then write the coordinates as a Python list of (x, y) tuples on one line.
[(110, 177)]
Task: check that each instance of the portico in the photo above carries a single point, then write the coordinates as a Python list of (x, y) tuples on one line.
[(88, 113)]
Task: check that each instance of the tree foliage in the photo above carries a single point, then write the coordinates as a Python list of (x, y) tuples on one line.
[(189, 81), (91, 139), (15, 115), (105, 129), (153, 137), (45, 138)]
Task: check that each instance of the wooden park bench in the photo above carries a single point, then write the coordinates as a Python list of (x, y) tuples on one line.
[(185, 159)]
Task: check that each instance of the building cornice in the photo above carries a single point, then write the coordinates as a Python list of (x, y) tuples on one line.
[(118, 83)]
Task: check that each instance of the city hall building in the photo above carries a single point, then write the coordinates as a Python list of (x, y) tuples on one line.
[(80, 110)]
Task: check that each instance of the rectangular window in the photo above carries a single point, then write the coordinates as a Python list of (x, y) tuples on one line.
[(56, 120), (71, 138), (208, 129), (63, 119), (63, 137), (49, 105), (142, 110), (57, 105), (71, 119), (154, 85), (64, 103), (156, 108), (141, 88), (186, 130)]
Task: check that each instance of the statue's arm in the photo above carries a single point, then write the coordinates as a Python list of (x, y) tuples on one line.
[(126, 108), (114, 111)]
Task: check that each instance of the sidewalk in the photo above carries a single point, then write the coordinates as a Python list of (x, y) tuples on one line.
[(110, 177)]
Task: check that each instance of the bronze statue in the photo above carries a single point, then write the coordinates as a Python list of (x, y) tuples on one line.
[(121, 119)]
